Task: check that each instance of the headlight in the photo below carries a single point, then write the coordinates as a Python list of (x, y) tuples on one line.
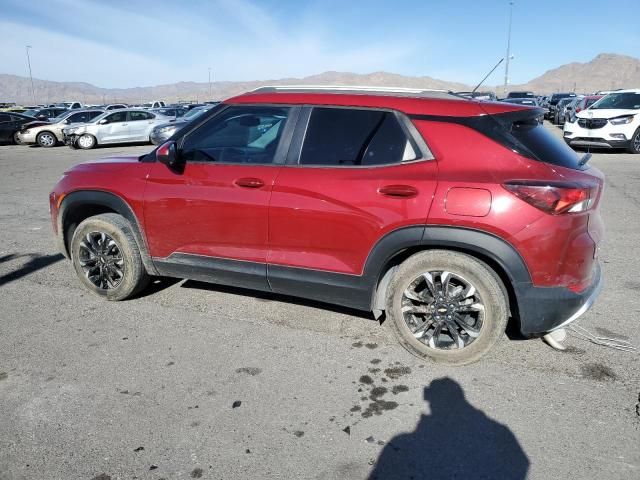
[(623, 120), (69, 131), (168, 129)]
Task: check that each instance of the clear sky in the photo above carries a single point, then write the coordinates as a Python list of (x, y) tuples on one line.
[(126, 43)]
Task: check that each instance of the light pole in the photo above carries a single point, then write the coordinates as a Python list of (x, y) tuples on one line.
[(33, 92), (209, 83), (506, 66)]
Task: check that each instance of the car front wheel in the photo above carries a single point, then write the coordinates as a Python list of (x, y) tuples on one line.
[(106, 257), (46, 139), (447, 306), (86, 141)]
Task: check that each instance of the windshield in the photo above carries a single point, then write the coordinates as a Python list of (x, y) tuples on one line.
[(193, 113), (625, 101), (62, 116), (31, 113)]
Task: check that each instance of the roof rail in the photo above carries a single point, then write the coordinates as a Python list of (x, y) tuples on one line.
[(351, 89)]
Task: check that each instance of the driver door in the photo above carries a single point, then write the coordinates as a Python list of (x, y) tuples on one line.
[(115, 130), (210, 219)]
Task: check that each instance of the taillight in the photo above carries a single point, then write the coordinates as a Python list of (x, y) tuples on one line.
[(555, 198)]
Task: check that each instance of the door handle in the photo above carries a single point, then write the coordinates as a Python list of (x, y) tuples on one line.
[(249, 182), (398, 191)]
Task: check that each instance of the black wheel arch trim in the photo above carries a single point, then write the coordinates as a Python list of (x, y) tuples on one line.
[(110, 201)]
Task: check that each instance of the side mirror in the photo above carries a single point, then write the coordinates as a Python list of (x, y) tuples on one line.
[(104, 121), (167, 153)]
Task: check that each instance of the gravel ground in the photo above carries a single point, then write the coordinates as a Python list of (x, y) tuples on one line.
[(201, 381)]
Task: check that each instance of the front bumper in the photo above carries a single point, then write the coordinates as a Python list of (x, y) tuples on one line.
[(26, 137), (544, 309), (69, 139), (608, 136)]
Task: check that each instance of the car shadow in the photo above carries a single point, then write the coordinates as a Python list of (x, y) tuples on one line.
[(36, 262), (277, 297), (157, 284), (456, 440)]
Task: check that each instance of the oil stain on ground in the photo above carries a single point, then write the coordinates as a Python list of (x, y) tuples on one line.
[(196, 473), (598, 372), (3, 375)]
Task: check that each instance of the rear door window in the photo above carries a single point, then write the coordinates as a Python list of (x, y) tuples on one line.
[(343, 137)]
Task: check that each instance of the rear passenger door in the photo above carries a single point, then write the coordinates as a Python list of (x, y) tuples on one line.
[(352, 176), (140, 124)]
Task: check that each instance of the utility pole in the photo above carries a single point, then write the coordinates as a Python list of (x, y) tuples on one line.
[(506, 66), (209, 83), (33, 92)]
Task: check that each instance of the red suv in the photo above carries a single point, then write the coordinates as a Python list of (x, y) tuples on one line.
[(448, 214)]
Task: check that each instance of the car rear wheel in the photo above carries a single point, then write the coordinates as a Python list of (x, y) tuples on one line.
[(106, 257), (86, 141), (46, 139), (446, 306), (634, 144), (16, 139)]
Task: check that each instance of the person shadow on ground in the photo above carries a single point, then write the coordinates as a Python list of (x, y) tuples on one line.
[(456, 441)]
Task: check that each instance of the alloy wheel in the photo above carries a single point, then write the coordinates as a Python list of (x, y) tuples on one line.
[(443, 310), (47, 140), (101, 260), (85, 141)]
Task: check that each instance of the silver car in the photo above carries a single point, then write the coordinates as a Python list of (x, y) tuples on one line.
[(119, 126)]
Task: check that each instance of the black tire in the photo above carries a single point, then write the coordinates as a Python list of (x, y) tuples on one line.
[(634, 144), (16, 139), (488, 287), (46, 139), (133, 276), (86, 141)]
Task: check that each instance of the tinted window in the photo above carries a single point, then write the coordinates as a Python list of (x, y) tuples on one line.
[(137, 116), (346, 137), (544, 146), (117, 117), (238, 135), (4, 117)]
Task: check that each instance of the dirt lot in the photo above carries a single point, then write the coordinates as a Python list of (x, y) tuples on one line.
[(201, 381)]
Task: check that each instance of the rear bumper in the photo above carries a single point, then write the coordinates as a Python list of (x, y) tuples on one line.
[(544, 309)]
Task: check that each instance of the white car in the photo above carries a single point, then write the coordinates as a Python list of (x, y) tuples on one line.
[(611, 122), (119, 126)]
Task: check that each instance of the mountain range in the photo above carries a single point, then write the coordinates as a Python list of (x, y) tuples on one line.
[(606, 71)]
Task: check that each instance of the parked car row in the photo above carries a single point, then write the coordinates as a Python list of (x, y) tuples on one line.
[(89, 127)]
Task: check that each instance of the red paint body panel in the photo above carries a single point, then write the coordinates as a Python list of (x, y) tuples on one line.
[(203, 211), (122, 176), (330, 218), (558, 250)]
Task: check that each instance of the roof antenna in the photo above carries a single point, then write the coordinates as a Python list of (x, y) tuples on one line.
[(487, 76)]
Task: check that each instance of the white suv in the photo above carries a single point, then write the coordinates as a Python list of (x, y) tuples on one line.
[(611, 122)]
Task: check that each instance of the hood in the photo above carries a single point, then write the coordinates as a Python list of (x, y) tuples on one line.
[(104, 165), (36, 123), (606, 113)]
